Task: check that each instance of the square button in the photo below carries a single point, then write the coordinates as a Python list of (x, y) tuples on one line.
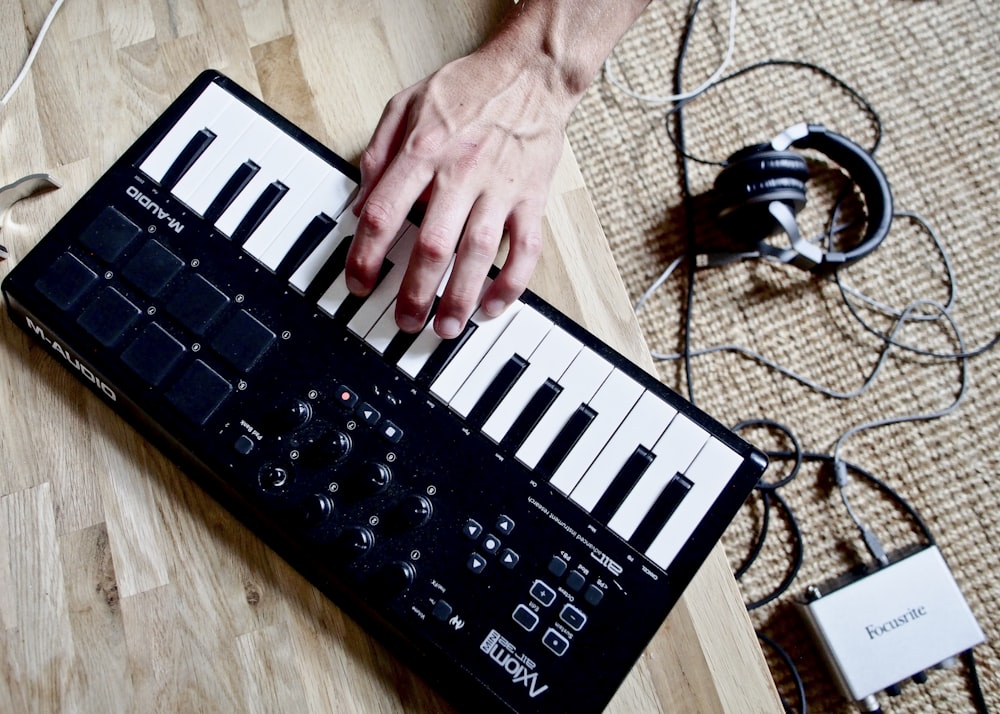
[(65, 281), (345, 397), (491, 544), (575, 581), (242, 341), (525, 617), (472, 529), (198, 392), (555, 642), (543, 593), (593, 594), (441, 611), (557, 566), (153, 354), (109, 234), (573, 617), (108, 316), (476, 563), (152, 268), (369, 414), (197, 303)]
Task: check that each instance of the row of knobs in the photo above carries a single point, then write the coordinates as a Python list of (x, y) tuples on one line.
[(369, 478)]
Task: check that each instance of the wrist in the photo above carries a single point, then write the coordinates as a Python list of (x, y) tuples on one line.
[(563, 42)]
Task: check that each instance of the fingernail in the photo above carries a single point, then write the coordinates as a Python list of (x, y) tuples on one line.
[(409, 323), (447, 327), (494, 307), (355, 286)]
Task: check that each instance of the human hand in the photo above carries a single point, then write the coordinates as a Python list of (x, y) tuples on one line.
[(478, 141)]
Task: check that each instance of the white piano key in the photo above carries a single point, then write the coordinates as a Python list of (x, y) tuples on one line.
[(579, 383), (275, 165), (386, 329), (521, 337), (612, 402), (338, 291), (331, 196), (548, 361), (674, 452), (229, 127), (303, 276), (209, 105), (643, 426), (301, 181), (334, 296), (488, 329), (252, 144), (384, 293), (709, 473)]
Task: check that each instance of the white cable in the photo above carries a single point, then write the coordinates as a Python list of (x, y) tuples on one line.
[(31, 55), (651, 99)]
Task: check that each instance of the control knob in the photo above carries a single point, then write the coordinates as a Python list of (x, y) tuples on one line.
[(413, 511), (354, 542), (373, 478), (326, 448), (290, 414), (273, 477), (394, 579), (314, 510)]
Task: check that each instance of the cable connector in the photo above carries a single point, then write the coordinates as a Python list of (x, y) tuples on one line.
[(840, 472), (874, 545)]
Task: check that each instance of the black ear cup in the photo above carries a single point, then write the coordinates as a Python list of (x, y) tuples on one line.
[(753, 178), (763, 186)]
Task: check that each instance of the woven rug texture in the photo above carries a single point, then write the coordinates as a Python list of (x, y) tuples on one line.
[(931, 69)]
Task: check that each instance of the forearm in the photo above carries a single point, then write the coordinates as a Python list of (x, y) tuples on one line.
[(479, 141), (564, 41)]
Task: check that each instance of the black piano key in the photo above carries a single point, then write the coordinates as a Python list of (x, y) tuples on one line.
[(333, 267), (304, 245), (496, 390), (399, 345), (565, 440), (352, 303), (664, 506), (264, 204), (443, 355), (633, 468), (534, 410), (232, 188), (402, 341), (185, 160)]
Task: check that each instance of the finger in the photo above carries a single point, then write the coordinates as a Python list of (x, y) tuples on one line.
[(476, 253), (382, 146), (432, 253), (525, 229), (380, 220)]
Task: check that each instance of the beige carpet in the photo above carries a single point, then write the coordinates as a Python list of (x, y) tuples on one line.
[(931, 69)]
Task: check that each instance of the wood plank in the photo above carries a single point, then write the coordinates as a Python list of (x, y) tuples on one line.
[(104, 544)]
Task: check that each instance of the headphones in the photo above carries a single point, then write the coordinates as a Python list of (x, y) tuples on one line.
[(763, 186)]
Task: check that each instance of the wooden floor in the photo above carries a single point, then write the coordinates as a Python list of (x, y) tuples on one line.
[(123, 587)]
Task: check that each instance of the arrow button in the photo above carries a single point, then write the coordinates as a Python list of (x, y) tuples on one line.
[(472, 529), (508, 558), (476, 563), (369, 415)]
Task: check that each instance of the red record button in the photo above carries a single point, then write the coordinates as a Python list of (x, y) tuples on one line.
[(345, 397)]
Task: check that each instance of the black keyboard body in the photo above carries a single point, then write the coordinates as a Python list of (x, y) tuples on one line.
[(494, 585)]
